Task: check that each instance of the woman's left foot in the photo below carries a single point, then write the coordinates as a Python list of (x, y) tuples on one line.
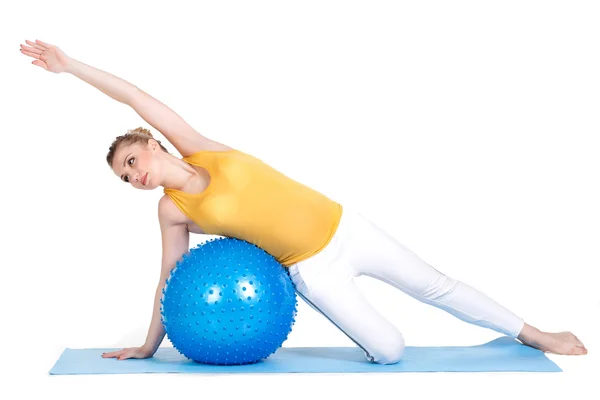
[(564, 343)]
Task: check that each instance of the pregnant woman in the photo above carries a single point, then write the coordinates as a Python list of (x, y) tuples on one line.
[(219, 190)]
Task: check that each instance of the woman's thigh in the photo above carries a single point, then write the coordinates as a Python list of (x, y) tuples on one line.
[(374, 252), (326, 282)]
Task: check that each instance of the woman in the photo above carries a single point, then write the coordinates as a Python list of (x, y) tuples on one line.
[(216, 189)]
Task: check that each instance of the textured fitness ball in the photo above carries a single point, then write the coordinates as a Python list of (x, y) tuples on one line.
[(228, 302)]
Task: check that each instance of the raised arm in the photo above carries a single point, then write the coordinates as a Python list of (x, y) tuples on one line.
[(179, 133)]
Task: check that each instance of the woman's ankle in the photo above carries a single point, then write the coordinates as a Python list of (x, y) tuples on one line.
[(530, 335)]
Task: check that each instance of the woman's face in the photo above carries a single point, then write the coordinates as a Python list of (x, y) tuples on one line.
[(136, 165)]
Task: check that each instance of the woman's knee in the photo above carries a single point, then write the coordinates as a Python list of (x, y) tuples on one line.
[(388, 351)]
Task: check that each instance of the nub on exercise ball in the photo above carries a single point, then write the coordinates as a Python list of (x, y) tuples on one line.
[(228, 302)]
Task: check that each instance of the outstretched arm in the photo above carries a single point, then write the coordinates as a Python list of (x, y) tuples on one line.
[(178, 132), (109, 84), (53, 59)]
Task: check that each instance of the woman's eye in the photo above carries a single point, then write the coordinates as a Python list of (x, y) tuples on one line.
[(130, 163)]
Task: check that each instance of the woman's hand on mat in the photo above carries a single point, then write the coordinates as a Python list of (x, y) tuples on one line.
[(47, 56), (130, 352)]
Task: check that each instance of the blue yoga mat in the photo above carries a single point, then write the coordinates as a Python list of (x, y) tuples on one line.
[(502, 354)]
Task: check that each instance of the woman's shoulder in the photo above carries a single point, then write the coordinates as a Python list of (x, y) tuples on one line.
[(169, 214), (212, 147)]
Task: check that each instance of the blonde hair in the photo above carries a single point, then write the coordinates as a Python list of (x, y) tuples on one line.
[(137, 135)]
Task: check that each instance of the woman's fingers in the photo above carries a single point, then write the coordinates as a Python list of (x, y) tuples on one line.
[(126, 354), (31, 49), (119, 354), (35, 52), (35, 45), (29, 53), (40, 64), (112, 354), (45, 45)]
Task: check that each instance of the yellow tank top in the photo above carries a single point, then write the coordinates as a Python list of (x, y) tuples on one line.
[(249, 200)]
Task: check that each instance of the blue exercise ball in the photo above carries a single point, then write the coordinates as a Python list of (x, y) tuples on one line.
[(228, 302)]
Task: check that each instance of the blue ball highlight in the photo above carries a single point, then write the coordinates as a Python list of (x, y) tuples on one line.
[(228, 302)]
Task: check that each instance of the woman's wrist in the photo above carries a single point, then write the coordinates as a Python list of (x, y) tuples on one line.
[(71, 65), (529, 334), (149, 347)]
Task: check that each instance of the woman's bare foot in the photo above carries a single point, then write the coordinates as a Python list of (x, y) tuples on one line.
[(564, 343)]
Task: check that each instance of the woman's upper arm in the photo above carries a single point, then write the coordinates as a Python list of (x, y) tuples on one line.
[(175, 237), (179, 133)]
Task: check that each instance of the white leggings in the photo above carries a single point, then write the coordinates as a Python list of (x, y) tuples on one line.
[(359, 247)]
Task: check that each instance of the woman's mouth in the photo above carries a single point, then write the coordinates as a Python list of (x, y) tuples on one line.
[(144, 179)]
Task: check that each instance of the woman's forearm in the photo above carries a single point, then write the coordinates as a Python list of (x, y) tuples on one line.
[(156, 332), (115, 87)]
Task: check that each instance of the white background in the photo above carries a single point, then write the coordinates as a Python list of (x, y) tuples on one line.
[(466, 129)]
